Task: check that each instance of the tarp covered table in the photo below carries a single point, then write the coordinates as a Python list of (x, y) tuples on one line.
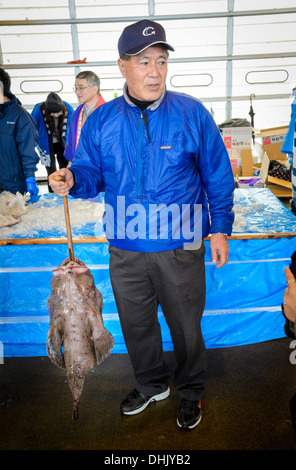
[(244, 298)]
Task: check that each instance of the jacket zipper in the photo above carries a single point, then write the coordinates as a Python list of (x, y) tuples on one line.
[(140, 160)]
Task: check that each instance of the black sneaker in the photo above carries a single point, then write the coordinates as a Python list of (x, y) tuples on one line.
[(189, 414), (135, 402)]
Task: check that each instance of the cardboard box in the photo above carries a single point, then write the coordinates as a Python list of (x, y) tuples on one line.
[(235, 163), (235, 140), (247, 181), (238, 140), (237, 137), (279, 191), (275, 138), (236, 171), (280, 188), (272, 141), (273, 134), (247, 162), (280, 182), (264, 167)]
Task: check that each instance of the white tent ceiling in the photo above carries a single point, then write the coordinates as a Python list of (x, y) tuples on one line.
[(225, 50)]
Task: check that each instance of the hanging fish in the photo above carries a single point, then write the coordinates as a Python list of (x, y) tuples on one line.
[(77, 339)]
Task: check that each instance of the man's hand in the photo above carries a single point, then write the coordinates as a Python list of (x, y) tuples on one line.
[(219, 249), (61, 188)]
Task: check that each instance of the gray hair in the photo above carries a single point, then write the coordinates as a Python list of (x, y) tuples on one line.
[(91, 78), (127, 57)]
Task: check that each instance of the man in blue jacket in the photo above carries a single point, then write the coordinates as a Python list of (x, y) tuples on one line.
[(163, 163), (18, 142)]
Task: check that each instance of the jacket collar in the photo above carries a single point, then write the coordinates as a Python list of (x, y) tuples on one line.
[(152, 106), (12, 99)]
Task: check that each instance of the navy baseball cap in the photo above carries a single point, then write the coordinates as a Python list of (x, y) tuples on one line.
[(138, 36)]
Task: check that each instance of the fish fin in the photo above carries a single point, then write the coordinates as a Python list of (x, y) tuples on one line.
[(103, 345), (54, 347), (99, 300)]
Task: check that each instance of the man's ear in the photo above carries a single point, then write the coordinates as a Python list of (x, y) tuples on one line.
[(121, 65)]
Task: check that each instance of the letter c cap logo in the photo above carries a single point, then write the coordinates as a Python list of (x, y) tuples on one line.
[(148, 31)]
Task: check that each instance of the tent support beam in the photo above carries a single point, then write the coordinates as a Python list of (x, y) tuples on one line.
[(230, 7), (74, 34), (190, 16), (279, 55)]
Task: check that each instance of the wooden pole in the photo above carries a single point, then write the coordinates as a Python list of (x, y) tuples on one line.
[(103, 239), (67, 220)]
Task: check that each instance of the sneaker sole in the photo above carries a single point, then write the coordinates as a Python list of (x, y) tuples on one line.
[(159, 397), (193, 425)]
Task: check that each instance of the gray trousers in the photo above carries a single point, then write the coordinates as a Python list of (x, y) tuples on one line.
[(175, 280)]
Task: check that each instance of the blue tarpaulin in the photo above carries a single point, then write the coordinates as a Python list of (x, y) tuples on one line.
[(244, 298)]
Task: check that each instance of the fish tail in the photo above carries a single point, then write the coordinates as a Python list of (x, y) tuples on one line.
[(75, 414)]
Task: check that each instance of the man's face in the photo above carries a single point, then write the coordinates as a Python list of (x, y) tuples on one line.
[(85, 93), (145, 73)]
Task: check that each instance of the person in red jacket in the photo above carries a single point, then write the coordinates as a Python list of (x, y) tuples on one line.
[(87, 89)]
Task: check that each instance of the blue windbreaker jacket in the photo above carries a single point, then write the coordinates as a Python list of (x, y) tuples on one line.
[(71, 142), (18, 139), (151, 173)]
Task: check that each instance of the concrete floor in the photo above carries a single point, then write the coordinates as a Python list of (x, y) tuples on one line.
[(245, 407)]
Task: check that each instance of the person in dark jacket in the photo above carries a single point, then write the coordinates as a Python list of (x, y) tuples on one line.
[(53, 118), (18, 143), (169, 183)]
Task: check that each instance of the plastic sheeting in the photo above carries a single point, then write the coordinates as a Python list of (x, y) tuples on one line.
[(244, 298)]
